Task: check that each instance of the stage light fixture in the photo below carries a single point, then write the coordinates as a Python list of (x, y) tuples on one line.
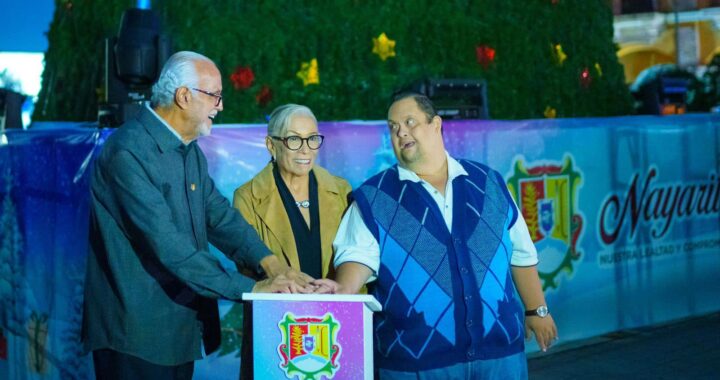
[(133, 60)]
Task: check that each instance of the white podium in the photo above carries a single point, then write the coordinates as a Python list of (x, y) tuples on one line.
[(312, 336)]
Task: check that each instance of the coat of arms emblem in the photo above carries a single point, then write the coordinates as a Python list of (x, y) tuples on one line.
[(309, 346), (547, 197)]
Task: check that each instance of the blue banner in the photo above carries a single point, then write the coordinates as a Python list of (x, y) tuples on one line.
[(625, 213)]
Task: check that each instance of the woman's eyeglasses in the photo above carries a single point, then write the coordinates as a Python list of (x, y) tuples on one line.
[(295, 142)]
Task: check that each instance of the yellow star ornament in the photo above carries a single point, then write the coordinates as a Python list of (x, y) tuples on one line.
[(383, 46), (309, 72), (550, 112), (560, 55)]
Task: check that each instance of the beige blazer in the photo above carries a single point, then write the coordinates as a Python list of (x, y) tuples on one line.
[(259, 202)]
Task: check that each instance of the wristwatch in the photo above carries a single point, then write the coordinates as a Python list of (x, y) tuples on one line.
[(541, 312)]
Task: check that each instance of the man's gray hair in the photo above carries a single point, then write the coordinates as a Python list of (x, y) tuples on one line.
[(179, 71), (280, 118)]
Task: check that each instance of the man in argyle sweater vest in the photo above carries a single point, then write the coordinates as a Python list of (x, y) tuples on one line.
[(447, 247)]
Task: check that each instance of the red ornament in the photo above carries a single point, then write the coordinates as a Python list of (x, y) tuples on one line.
[(264, 96), (485, 55), (242, 78), (585, 78)]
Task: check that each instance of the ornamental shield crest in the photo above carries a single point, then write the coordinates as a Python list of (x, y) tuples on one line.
[(309, 347), (546, 195)]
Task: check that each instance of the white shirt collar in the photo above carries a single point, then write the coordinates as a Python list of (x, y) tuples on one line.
[(454, 170), (174, 132)]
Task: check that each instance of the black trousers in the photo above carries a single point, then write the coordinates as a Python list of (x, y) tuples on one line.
[(114, 365), (246, 348)]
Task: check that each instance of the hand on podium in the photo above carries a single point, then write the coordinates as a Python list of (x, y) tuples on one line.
[(282, 278), (326, 286), (283, 284), (349, 280)]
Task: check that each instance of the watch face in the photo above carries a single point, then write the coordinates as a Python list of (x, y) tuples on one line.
[(542, 311)]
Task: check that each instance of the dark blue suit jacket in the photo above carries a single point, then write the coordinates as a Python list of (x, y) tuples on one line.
[(151, 282)]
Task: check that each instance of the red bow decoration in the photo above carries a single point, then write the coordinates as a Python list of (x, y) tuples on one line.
[(485, 55), (242, 78), (264, 96)]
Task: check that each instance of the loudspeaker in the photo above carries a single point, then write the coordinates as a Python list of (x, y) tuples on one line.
[(11, 108), (456, 98)]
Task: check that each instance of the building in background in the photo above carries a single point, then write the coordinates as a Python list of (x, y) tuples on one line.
[(648, 31)]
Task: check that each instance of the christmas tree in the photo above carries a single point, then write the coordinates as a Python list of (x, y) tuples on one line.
[(344, 58)]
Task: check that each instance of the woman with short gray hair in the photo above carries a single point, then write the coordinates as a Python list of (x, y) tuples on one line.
[(294, 204)]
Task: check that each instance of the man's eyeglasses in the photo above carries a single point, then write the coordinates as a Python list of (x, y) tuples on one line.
[(218, 98), (295, 142)]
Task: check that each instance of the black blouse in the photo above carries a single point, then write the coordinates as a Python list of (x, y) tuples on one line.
[(307, 239)]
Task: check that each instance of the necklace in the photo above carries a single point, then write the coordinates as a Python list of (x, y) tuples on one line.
[(303, 204)]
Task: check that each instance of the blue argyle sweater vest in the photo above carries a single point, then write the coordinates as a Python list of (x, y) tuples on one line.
[(447, 297)]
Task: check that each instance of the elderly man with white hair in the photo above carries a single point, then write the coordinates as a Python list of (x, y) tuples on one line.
[(151, 283)]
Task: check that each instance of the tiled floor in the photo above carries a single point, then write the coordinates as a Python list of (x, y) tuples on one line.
[(687, 349)]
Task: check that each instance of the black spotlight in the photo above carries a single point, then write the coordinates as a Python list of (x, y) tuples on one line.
[(133, 61), (456, 98)]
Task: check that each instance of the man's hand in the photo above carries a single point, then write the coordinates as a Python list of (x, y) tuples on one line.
[(544, 329), (300, 278), (527, 283), (350, 277), (326, 286), (274, 268), (281, 284)]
